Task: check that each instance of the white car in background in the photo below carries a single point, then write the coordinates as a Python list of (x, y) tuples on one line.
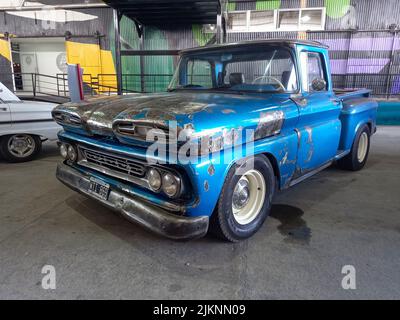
[(24, 125)]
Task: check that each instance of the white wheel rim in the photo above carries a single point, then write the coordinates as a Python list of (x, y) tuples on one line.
[(21, 145), (362, 147), (248, 197)]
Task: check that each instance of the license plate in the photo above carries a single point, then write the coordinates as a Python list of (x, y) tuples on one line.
[(99, 188)]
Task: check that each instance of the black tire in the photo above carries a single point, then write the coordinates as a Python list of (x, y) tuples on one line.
[(223, 223), (351, 161), (9, 157)]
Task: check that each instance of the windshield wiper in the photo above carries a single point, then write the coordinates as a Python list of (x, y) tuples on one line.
[(186, 86)]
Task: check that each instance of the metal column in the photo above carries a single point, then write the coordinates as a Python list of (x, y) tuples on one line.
[(219, 28), (118, 62), (221, 22), (142, 64), (389, 72)]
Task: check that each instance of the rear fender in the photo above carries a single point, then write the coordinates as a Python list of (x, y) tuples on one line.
[(355, 113)]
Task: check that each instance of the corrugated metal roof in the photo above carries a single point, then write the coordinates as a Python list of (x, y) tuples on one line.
[(168, 12)]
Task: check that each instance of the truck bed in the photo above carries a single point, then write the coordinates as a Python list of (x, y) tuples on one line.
[(346, 94)]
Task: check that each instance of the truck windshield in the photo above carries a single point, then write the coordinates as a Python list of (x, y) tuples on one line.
[(268, 70)]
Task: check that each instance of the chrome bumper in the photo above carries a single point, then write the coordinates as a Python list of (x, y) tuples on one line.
[(137, 210)]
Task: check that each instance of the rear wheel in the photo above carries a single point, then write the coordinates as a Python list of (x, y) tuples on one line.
[(245, 201), (358, 155), (20, 147)]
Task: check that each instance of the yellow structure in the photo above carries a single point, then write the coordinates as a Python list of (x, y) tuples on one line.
[(5, 49), (94, 62)]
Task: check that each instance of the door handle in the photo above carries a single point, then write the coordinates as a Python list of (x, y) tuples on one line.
[(3, 109)]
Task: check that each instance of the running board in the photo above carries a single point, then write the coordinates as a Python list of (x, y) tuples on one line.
[(341, 154), (309, 174)]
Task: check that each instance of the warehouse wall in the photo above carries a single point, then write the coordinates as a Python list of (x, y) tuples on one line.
[(358, 58), (87, 40), (92, 37)]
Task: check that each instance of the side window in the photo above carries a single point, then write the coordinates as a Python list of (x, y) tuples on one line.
[(312, 68), (199, 73)]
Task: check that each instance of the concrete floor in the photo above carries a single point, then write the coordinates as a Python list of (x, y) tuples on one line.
[(336, 218)]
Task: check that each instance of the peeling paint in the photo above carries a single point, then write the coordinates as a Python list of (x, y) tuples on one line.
[(231, 136), (206, 186), (211, 170), (284, 159), (188, 126), (270, 123), (228, 111), (310, 144)]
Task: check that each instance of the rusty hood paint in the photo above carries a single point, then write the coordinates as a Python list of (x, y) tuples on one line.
[(203, 112)]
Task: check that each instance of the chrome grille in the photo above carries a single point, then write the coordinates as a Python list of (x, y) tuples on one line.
[(113, 162)]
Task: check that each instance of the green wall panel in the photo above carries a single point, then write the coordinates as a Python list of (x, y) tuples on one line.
[(268, 4)]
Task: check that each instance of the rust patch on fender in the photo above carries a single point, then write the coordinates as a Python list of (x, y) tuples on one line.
[(231, 136), (206, 185), (310, 144), (211, 170), (270, 123), (228, 111), (284, 159)]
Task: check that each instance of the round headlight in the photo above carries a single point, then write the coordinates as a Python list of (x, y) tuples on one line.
[(72, 155), (170, 184), (154, 179), (64, 150)]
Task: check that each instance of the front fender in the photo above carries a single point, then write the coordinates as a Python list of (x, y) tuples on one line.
[(208, 176)]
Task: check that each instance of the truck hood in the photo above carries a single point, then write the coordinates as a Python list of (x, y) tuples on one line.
[(201, 112)]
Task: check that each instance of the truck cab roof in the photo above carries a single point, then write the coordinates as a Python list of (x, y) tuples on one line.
[(252, 43)]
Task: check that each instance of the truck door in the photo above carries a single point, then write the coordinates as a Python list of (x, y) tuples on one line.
[(319, 125)]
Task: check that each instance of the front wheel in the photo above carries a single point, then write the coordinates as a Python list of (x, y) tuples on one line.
[(20, 147), (358, 155), (245, 200)]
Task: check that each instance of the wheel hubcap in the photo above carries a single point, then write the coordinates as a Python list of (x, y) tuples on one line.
[(248, 197), (241, 194), (21, 146), (362, 147)]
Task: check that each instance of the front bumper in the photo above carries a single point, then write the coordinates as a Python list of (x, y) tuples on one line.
[(138, 210)]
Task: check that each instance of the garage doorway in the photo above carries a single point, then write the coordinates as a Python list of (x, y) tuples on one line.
[(39, 61)]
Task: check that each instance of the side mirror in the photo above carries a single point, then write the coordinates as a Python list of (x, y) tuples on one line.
[(318, 84)]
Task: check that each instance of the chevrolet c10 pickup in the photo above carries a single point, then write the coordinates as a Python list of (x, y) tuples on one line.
[(238, 122)]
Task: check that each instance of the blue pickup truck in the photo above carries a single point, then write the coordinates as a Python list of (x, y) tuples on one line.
[(238, 122)]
